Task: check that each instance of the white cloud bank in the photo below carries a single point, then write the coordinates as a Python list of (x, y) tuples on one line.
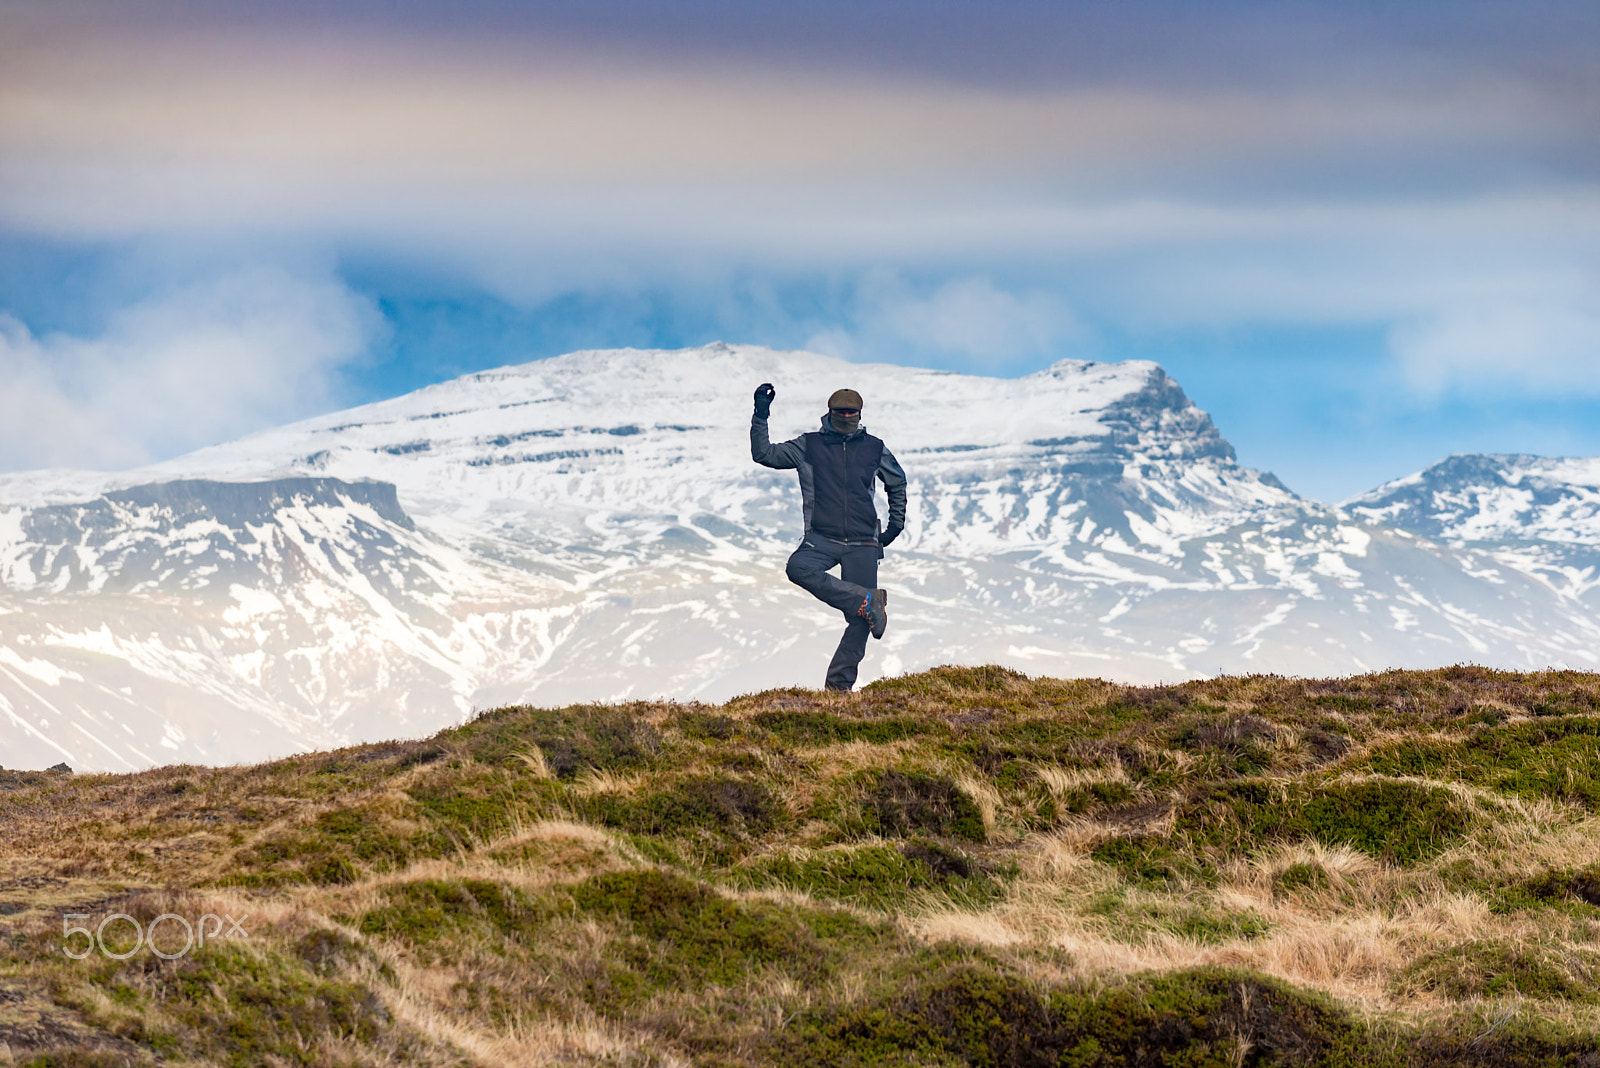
[(968, 318), (1540, 347), (200, 364), (1431, 200)]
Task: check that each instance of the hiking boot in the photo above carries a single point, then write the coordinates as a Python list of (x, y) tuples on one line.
[(873, 609)]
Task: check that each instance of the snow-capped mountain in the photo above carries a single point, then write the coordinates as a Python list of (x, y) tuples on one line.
[(1539, 515), (1490, 499), (592, 527), (611, 445)]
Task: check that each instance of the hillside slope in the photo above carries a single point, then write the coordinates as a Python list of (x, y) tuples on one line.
[(960, 867)]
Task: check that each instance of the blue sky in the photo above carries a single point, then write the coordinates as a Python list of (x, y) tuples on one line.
[(1362, 235)]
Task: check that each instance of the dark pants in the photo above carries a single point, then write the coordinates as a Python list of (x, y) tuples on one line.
[(858, 564)]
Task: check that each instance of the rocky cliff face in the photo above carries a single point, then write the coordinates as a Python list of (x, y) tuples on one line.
[(591, 527)]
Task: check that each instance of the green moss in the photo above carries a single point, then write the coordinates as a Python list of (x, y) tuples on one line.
[(1492, 969), (690, 936), (1150, 860), (813, 728), (427, 912), (1211, 926), (246, 1006), (1302, 877), (1548, 758), (1402, 822), (571, 739)]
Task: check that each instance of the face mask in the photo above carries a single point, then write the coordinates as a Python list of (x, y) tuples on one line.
[(845, 424)]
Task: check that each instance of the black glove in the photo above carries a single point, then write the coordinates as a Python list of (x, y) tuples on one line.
[(891, 532), (764, 395)]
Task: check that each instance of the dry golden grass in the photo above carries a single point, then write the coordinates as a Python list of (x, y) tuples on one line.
[(510, 893)]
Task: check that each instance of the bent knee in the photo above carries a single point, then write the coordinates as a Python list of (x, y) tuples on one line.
[(805, 569)]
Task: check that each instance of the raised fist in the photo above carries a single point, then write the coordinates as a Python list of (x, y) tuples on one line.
[(764, 395)]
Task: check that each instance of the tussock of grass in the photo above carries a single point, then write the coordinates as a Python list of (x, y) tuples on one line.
[(965, 866)]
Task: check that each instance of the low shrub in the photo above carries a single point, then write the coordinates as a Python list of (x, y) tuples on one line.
[(948, 679), (903, 803), (708, 726), (733, 807), (335, 849), (878, 876), (1581, 885), (976, 1013), (243, 1006)]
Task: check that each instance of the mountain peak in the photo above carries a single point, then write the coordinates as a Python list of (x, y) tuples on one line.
[(1491, 498), (610, 433)]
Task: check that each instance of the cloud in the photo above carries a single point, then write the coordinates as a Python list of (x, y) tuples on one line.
[(994, 189), (967, 319), (123, 128), (1535, 347), (202, 363)]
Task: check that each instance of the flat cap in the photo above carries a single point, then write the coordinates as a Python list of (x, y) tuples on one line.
[(845, 398)]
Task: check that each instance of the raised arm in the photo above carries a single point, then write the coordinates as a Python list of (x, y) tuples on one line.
[(785, 454)]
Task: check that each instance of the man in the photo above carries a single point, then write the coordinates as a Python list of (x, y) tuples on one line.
[(837, 465)]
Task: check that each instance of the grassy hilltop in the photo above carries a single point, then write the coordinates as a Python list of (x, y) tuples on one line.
[(964, 866)]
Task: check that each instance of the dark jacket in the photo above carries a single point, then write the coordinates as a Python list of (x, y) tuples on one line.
[(836, 474)]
